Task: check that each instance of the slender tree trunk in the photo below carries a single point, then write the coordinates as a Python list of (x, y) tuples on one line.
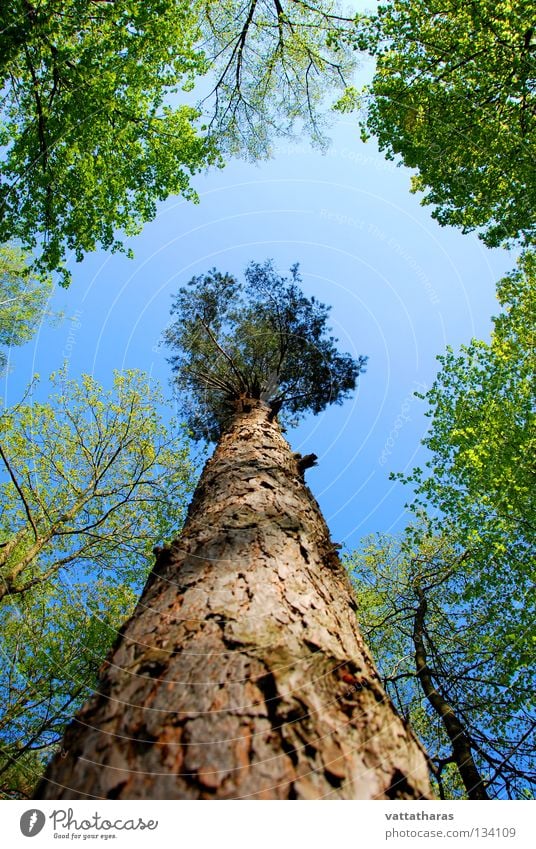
[(461, 744), (242, 673)]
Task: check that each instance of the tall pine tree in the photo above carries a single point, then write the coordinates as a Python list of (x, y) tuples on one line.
[(242, 673)]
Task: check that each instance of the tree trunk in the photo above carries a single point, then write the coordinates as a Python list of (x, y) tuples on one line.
[(242, 673), (462, 751)]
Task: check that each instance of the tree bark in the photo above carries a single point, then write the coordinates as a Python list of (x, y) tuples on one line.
[(242, 673)]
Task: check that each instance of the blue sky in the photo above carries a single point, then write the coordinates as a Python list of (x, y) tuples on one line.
[(401, 288)]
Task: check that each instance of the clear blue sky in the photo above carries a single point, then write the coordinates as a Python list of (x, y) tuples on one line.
[(401, 288)]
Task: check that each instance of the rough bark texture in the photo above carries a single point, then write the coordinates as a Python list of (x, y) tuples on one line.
[(242, 673)]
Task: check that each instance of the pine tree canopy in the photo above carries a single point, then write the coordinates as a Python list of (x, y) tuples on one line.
[(259, 339)]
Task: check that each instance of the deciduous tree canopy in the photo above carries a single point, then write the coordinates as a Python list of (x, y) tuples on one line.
[(93, 132), (449, 659), (454, 95), (53, 640), (23, 298), (90, 142), (462, 578), (273, 63), (482, 437), (91, 480)]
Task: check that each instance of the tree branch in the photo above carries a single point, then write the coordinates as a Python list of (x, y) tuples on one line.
[(461, 743), (19, 490)]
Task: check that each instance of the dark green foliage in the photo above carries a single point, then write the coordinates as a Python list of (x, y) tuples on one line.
[(261, 339)]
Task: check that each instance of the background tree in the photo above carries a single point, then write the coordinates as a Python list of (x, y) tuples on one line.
[(273, 62), (442, 657), (93, 132), (481, 472), (463, 575), (90, 139), (53, 640), (241, 673), (454, 96), (23, 299), (92, 480)]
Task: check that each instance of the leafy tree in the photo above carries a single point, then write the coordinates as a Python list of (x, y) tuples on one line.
[(89, 137), (235, 340), (23, 299), (92, 480), (454, 96), (443, 658), (462, 576), (481, 472), (273, 61), (93, 133), (53, 640), (242, 673)]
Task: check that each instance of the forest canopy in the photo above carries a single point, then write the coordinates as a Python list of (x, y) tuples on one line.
[(98, 120), (109, 107), (454, 96), (448, 608)]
